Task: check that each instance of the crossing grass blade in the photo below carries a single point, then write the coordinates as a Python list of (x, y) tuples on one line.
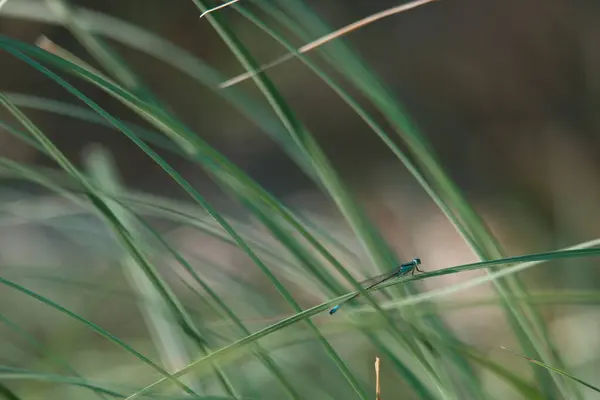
[(555, 370)]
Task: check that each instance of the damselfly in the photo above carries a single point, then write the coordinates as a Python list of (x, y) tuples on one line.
[(403, 269)]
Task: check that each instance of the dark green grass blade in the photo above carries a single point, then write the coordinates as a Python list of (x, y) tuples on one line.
[(8, 394)]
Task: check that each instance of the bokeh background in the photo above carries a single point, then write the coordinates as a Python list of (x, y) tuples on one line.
[(506, 92)]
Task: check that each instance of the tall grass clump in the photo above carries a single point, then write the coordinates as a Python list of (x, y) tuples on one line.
[(244, 315)]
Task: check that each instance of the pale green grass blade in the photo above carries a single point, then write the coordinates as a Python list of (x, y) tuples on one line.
[(226, 313), (149, 284)]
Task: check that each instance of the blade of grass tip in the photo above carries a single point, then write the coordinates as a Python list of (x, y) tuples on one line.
[(325, 39), (59, 361), (281, 289), (69, 168), (377, 250), (558, 371), (164, 327), (107, 58), (485, 245)]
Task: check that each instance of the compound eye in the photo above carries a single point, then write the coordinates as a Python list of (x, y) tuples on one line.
[(417, 261)]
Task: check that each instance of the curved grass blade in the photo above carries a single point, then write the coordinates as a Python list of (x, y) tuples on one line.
[(145, 278)]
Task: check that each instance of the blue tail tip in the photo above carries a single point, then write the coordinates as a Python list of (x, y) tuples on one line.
[(333, 310)]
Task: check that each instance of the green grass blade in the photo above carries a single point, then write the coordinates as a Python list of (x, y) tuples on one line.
[(557, 371), (8, 394)]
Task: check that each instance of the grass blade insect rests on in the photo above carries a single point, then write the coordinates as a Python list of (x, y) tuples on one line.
[(403, 269)]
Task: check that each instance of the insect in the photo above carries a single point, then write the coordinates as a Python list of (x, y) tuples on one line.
[(403, 269)]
